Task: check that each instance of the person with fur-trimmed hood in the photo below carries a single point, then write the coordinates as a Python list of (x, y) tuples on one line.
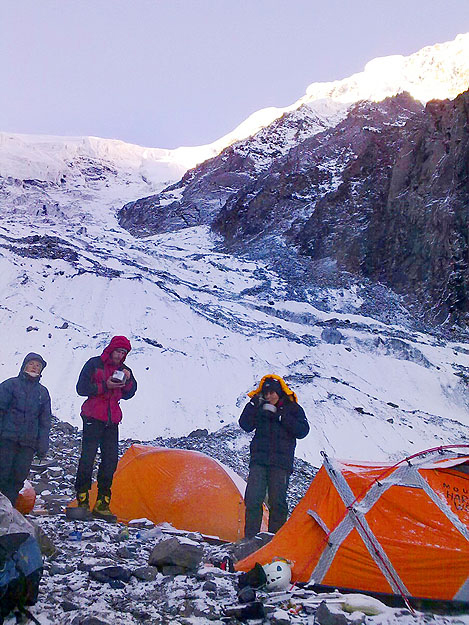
[(25, 418), (278, 420), (104, 380)]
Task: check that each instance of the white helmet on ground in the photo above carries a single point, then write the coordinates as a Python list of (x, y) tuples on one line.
[(278, 575)]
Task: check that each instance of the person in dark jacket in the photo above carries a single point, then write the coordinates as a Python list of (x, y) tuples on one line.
[(25, 417), (278, 420), (104, 380)]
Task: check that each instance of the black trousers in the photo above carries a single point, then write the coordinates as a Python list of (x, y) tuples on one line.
[(261, 480), (15, 463), (97, 434)]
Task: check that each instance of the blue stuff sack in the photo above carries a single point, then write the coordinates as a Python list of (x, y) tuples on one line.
[(20, 573)]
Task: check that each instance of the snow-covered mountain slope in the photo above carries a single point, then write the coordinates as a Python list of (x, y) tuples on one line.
[(71, 178), (435, 72), (206, 326), (440, 71), (53, 159), (198, 197)]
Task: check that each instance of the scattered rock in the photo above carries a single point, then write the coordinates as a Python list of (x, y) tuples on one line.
[(172, 569), (146, 573), (326, 616), (66, 428), (332, 336), (46, 545), (111, 573), (69, 606), (198, 433), (124, 553), (151, 342), (141, 523), (209, 586), (361, 410), (56, 569), (280, 617), (247, 595), (89, 620), (177, 552)]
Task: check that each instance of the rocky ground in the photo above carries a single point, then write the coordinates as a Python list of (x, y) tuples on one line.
[(101, 574)]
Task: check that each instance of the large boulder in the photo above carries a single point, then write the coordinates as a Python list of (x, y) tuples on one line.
[(178, 552)]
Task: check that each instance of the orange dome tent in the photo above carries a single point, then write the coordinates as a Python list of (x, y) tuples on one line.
[(400, 529), (186, 488)]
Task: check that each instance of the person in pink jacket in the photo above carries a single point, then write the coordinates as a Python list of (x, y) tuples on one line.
[(104, 380)]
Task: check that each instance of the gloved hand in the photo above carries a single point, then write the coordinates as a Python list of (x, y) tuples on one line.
[(270, 411), (258, 400), (270, 408)]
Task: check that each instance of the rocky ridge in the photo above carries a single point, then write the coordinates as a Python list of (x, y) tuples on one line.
[(198, 197)]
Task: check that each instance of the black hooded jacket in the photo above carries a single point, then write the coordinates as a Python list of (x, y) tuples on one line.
[(25, 409), (274, 441)]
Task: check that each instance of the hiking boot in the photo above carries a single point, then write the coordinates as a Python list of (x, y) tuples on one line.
[(83, 500), (82, 510), (101, 509)]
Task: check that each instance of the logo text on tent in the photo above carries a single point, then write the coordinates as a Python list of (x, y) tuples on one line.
[(457, 497)]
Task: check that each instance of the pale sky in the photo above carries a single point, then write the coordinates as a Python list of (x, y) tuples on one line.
[(165, 73)]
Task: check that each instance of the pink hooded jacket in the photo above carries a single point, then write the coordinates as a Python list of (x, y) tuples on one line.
[(103, 403)]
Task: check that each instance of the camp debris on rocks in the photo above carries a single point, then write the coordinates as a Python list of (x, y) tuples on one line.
[(177, 579)]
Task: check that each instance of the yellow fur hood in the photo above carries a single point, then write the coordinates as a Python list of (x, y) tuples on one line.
[(288, 392)]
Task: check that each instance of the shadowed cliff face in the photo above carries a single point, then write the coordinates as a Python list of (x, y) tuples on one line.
[(199, 196), (324, 170), (384, 196), (424, 229)]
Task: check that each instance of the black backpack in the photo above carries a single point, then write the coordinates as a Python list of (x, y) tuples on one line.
[(20, 573)]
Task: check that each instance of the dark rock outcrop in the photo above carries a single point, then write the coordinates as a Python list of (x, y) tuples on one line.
[(200, 195), (311, 195), (383, 196), (420, 242)]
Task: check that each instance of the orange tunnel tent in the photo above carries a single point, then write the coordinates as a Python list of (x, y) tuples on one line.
[(186, 488), (401, 529)]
